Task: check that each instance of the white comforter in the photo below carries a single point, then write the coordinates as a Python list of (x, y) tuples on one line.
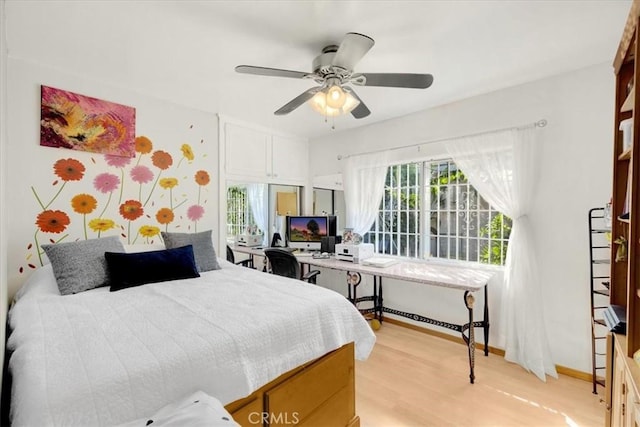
[(103, 358)]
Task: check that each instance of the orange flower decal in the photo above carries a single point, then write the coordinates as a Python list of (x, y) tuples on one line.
[(202, 177), (131, 210), (165, 216), (162, 159), (143, 145), (84, 203), (69, 169), (52, 221)]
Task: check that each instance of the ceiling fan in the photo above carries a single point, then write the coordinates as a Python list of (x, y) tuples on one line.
[(333, 70)]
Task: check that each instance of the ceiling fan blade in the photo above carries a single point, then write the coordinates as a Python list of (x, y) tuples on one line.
[(297, 101), (361, 111), (272, 72), (413, 81), (353, 47)]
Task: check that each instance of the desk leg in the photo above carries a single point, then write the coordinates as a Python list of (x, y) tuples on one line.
[(485, 322), (353, 280), (471, 344), (377, 292)]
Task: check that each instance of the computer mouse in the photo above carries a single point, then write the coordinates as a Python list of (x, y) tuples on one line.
[(325, 254)]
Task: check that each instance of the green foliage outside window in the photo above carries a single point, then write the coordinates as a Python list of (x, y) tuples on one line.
[(496, 252), (478, 234)]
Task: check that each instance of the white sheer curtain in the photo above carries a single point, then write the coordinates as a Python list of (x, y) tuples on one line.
[(363, 179), (502, 166), (257, 195)]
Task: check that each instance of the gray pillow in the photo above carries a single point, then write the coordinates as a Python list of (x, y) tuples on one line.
[(203, 250), (80, 266)]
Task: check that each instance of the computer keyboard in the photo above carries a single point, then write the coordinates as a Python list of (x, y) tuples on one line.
[(284, 248), (303, 254)]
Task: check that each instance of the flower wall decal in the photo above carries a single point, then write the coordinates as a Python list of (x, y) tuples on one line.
[(52, 221), (84, 204), (118, 162), (187, 153), (77, 202), (101, 224), (148, 231), (69, 169)]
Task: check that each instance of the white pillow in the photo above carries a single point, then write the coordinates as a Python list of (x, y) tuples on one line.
[(40, 282), (197, 410)]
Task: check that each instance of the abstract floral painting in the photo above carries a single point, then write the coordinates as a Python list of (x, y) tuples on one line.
[(79, 122)]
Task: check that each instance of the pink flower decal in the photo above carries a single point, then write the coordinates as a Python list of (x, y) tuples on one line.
[(195, 212), (141, 174), (106, 182), (117, 161)]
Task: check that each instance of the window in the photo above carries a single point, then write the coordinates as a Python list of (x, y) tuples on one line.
[(396, 230), (457, 222), (238, 212)]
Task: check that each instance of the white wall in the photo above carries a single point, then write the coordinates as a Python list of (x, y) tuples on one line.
[(576, 162), (3, 176)]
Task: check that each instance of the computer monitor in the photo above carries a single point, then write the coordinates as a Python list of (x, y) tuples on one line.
[(306, 232)]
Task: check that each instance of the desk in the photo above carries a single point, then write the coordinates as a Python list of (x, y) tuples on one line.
[(466, 279), (252, 251)]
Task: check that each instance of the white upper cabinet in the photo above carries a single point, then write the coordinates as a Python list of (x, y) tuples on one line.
[(248, 152), (259, 155), (290, 159)]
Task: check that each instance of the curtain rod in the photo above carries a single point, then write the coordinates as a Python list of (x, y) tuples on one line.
[(538, 124)]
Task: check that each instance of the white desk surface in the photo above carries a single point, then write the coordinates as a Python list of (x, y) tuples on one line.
[(448, 276), (249, 250)]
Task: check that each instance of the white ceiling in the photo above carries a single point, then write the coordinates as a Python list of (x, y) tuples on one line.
[(186, 51)]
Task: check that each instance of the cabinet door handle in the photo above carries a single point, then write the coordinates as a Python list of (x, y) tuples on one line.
[(275, 175)]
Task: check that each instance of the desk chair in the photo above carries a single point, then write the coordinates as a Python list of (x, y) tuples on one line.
[(284, 263), (232, 259)]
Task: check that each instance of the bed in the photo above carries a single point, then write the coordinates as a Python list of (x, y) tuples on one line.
[(259, 343)]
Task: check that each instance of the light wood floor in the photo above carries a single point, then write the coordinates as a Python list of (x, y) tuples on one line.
[(414, 379)]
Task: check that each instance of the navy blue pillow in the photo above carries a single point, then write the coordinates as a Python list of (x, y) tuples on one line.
[(129, 270)]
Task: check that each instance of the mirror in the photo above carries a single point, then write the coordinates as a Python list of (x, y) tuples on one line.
[(256, 204), (330, 202)]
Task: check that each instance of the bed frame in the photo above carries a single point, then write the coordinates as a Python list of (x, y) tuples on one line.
[(318, 393)]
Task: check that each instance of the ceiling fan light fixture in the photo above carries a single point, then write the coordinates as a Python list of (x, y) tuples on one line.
[(336, 97), (326, 103)]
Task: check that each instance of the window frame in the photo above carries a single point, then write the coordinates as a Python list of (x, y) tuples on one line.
[(246, 214), (424, 234)]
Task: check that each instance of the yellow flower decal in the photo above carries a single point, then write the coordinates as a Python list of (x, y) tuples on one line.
[(168, 183), (187, 152), (149, 231), (101, 224)]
